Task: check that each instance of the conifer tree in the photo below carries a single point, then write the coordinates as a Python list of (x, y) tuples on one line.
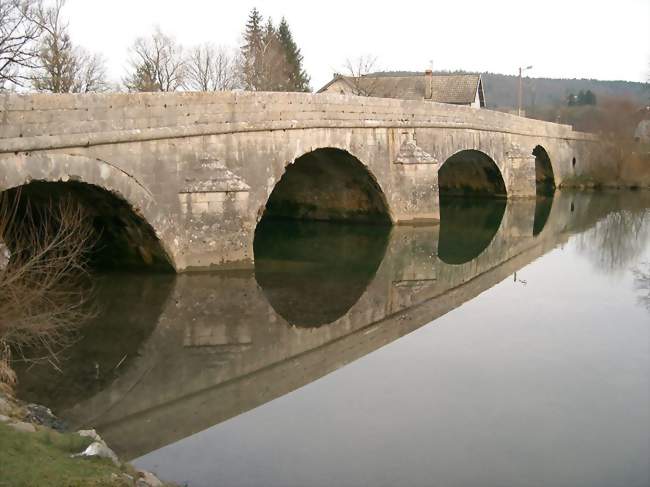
[(271, 60), (251, 50), (297, 78)]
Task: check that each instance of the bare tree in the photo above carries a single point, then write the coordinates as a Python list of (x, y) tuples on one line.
[(212, 68), (91, 74), (157, 64), (18, 35), (271, 62), (616, 240), (43, 288), (357, 69), (62, 66)]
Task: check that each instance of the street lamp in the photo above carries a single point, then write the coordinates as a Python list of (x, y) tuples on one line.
[(521, 70)]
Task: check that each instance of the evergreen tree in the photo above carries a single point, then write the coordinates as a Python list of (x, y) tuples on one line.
[(589, 98), (251, 50), (581, 99), (143, 79), (297, 78), (271, 60)]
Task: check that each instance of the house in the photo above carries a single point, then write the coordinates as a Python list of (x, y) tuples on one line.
[(642, 133), (457, 89)]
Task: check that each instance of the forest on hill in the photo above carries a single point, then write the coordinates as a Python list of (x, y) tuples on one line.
[(501, 91)]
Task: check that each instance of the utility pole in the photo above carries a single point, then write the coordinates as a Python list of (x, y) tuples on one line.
[(521, 89)]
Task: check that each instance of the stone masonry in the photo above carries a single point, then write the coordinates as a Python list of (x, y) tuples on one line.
[(199, 168)]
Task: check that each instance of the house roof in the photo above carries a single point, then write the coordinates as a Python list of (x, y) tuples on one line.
[(446, 88)]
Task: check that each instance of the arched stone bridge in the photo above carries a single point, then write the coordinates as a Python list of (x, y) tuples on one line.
[(182, 179)]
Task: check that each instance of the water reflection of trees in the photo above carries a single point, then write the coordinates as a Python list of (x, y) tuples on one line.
[(617, 240), (642, 284)]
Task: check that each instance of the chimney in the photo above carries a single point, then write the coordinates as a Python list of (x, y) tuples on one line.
[(429, 84)]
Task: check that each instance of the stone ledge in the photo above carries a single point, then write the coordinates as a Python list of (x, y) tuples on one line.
[(37, 143)]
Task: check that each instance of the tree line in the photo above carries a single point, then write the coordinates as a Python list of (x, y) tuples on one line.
[(581, 99), (38, 53)]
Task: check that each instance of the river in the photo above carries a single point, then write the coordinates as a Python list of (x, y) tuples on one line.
[(507, 346)]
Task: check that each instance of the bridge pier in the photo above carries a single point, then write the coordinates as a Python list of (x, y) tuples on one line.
[(520, 173)]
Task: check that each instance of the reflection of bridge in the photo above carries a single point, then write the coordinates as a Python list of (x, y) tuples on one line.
[(194, 172), (219, 348)]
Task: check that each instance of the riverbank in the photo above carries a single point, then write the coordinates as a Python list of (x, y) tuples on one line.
[(38, 450), (620, 167)]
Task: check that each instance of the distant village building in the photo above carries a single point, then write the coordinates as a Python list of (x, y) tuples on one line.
[(457, 89), (642, 132)]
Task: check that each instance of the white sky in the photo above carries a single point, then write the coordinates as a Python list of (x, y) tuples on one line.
[(560, 38)]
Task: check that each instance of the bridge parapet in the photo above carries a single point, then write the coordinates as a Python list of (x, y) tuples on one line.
[(39, 122)]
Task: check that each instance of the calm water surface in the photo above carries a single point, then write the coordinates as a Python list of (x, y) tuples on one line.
[(507, 346)]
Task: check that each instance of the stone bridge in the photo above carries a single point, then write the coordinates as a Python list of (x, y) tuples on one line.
[(180, 180)]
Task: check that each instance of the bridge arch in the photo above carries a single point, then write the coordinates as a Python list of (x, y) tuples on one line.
[(328, 184), (543, 207), (119, 206), (471, 172), (544, 175)]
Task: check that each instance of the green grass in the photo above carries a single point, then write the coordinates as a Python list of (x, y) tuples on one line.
[(43, 458)]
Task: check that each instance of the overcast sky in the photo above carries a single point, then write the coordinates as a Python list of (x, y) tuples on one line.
[(560, 38)]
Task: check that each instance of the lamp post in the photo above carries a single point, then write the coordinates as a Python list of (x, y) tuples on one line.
[(521, 70)]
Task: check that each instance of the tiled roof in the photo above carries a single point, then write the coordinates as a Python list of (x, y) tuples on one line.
[(448, 88)]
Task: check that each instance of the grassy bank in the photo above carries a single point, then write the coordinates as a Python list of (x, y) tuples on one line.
[(44, 458)]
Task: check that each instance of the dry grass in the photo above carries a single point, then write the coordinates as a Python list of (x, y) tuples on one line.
[(43, 288)]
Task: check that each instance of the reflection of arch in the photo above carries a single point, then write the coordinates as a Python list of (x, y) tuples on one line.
[(328, 184), (543, 205), (467, 227), (544, 177), (116, 201), (471, 171), (312, 273)]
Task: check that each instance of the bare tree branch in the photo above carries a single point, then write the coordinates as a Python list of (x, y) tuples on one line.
[(19, 32), (211, 68), (62, 66), (272, 64), (43, 287), (357, 70), (157, 64)]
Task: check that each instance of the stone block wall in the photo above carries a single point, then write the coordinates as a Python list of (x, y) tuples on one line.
[(200, 167)]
